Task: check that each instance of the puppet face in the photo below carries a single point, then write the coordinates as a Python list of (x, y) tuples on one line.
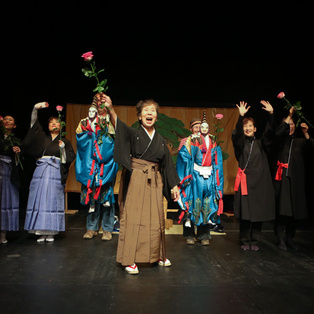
[(249, 129), (204, 128), (92, 113), (195, 129), (292, 127), (54, 125), (148, 116), (9, 123)]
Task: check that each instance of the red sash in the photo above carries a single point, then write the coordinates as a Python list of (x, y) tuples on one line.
[(241, 179), (280, 165)]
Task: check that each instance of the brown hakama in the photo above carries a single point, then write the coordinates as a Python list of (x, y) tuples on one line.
[(142, 221)]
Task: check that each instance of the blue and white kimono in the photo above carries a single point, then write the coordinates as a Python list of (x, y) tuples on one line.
[(200, 169)]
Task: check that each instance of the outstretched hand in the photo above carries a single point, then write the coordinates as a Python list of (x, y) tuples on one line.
[(243, 108), (267, 106), (41, 105)]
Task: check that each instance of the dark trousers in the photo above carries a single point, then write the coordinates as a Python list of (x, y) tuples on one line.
[(203, 231), (285, 227), (250, 232)]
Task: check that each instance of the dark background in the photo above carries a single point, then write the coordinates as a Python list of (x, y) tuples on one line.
[(181, 53)]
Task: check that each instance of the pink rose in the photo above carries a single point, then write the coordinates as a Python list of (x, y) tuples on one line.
[(219, 116), (88, 56), (281, 95), (59, 108)]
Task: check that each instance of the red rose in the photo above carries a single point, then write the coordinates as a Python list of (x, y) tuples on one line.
[(281, 95), (88, 56), (59, 108)]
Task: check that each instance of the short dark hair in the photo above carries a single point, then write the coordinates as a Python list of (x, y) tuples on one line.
[(51, 118), (143, 103), (246, 120)]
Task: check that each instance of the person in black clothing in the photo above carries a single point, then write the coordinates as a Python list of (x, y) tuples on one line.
[(290, 179), (254, 200), (9, 177)]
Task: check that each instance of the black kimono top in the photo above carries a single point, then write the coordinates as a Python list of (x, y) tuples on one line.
[(37, 144), (290, 191), (6, 150), (259, 203), (130, 142)]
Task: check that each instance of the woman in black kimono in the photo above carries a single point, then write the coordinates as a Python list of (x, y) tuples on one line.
[(45, 206), (254, 201), (290, 179), (146, 158)]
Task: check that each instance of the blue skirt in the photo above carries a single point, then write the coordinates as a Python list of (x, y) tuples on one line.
[(45, 206), (9, 197)]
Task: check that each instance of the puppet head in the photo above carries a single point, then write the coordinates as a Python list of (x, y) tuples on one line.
[(92, 112), (204, 125)]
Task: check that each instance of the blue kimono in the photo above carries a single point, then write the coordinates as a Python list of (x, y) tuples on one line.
[(95, 167), (200, 169)]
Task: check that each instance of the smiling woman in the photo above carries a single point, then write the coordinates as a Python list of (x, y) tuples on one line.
[(149, 171), (147, 113)]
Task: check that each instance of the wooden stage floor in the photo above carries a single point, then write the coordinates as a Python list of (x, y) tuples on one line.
[(73, 275)]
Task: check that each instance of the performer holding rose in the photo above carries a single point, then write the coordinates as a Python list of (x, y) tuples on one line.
[(96, 169), (148, 168), (45, 207), (290, 178)]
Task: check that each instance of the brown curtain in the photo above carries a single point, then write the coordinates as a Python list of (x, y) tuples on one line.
[(76, 112)]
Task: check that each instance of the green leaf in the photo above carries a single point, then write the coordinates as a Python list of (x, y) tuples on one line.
[(98, 89)]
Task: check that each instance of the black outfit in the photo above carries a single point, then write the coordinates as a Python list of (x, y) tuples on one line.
[(259, 203), (135, 143), (6, 150), (290, 190), (37, 144)]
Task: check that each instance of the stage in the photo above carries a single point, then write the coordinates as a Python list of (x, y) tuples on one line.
[(73, 275)]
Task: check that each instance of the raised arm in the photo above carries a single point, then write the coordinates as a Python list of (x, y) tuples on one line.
[(34, 116), (108, 103)]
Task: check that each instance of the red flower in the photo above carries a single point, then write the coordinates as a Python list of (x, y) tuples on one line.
[(219, 116), (88, 56), (281, 95), (59, 108)]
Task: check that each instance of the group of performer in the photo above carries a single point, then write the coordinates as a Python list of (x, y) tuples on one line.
[(196, 183)]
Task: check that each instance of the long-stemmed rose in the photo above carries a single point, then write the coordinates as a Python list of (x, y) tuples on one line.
[(297, 109), (62, 125), (219, 129), (90, 71)]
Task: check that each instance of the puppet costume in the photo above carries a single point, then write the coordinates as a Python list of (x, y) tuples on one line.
[(96, 170), (148, 169), (45, 206), (9, 184), (254, 200), (199, 166)]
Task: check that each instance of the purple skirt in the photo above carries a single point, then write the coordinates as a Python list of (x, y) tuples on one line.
[(45, 206), (9, 197)]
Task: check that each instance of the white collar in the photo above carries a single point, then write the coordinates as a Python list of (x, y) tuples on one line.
[(150, 136)]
